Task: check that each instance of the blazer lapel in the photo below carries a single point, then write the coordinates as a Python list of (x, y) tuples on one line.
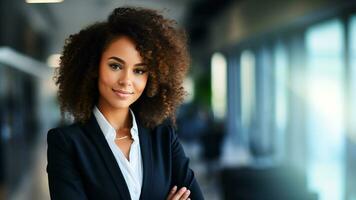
[(95, 133), (146, 152)]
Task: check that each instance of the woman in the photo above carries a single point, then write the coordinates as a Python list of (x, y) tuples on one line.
[(121, 80)]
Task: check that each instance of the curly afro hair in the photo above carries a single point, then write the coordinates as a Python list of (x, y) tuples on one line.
[(161, 45)]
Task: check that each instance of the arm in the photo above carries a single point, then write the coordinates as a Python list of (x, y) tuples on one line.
[(63, 177), (183, 176)]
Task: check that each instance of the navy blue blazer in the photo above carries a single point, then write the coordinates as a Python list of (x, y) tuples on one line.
[(82, 166)]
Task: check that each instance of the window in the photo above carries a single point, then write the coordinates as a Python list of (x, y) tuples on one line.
[(281, 96), (218, 85), (353, 75), (351, 158), (247, 87), (325, 105)]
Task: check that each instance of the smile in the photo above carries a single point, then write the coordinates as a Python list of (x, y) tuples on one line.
[(122, 93)]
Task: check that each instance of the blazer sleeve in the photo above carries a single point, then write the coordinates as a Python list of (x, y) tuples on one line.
[(183, 176), (63, 177)]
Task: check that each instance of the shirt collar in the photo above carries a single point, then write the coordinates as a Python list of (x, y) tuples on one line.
[(108, 130), (134, 130)]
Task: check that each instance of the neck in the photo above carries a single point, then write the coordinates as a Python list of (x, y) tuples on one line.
[(118, 118)]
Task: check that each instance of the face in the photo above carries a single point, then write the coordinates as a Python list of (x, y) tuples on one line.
[(122, 75)]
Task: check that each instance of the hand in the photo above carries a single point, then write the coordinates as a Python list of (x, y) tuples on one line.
[(182, 194)]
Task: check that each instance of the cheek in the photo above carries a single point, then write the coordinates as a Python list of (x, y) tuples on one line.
[(106, 78), (141, 83)]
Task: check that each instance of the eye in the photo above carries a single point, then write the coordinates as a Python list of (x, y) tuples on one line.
[(115, 66), (139, 71)]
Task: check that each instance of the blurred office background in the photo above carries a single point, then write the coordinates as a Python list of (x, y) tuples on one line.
[(272, 107)]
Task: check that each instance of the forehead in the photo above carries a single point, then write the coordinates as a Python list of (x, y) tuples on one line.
[(122, 47)]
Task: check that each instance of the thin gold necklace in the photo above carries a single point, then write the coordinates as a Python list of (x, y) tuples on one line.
[(121, 138)]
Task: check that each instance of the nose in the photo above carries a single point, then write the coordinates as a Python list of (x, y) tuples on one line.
[(125, 78)]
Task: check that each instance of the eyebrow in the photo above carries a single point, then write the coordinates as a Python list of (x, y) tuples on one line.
[(122, 61)]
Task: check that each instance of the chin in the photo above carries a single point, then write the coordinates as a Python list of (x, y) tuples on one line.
[(121, 106)]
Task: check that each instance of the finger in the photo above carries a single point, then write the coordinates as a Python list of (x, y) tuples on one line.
[(172, 192), (179, 194), (185, 195)]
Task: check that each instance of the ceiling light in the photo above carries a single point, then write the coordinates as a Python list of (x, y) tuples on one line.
[(44, 1)]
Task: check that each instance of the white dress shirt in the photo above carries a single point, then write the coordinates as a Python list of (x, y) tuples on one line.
[(132, 168)]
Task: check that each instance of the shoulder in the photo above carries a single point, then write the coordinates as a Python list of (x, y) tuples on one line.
[(164, 131), (66, 130), (165, 127), (64, 134)]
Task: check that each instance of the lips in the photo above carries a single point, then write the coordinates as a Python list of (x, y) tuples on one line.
[(122, 93)]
